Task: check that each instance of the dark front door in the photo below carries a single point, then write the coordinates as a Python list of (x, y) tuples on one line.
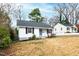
[(40, 31)]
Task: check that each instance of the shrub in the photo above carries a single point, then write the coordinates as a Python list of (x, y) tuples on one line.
[(53, 35), (67, 32), (14, 34), (4, 37), (3, 32), (33, 37), (5, 42)]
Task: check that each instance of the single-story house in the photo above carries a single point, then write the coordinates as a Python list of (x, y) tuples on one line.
[(27, 29), (64, 28)]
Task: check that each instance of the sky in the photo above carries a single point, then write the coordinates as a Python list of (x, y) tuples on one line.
[(46, 9)]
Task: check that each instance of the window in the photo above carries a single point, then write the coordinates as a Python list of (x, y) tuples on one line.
[(72, 28), (49, 30), (29, 30), (68, 28), (40, 30), (55, 29), (61, 28), (75, 29)]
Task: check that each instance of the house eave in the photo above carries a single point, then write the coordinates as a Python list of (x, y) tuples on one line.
[(36, 27)]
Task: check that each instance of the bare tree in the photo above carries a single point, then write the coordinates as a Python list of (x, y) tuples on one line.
[(9, 10), (4, 17), (74, 7), (19, 13), (77, 16), (67, 10), (54, 20), (59, 8)]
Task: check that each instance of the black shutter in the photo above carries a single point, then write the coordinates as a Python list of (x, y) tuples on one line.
[(26, 30), (33, 30), (47, 31)]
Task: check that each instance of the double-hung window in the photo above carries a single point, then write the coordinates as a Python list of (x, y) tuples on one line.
[(29, 30)]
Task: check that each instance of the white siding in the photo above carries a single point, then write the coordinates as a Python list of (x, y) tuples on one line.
[(36, 32), (70, 30), (57, 28), (22, 31), (23, 35)]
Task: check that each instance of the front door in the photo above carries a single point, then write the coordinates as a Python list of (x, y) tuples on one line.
[(40, 32)]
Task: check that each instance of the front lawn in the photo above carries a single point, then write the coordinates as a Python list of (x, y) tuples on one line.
[(65, 46)]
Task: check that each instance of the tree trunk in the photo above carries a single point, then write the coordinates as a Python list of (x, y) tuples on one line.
[(60, 17)]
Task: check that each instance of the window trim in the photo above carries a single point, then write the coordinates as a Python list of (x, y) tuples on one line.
[(68, 28), (61, 28), (29, 30)]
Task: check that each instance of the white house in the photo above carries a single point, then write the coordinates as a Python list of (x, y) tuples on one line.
[(27, 29), (64, 28)]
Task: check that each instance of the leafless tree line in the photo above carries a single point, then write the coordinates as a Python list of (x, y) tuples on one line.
[(66, 11), (8, 11)]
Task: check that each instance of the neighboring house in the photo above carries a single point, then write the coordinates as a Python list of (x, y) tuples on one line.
[(27, 29), (64, 28), (77, 27)]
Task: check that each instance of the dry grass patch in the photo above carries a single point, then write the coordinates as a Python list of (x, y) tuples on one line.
[(65, 46)]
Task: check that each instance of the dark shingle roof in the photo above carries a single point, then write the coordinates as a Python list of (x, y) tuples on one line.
[(32, 24), (68, 24)]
